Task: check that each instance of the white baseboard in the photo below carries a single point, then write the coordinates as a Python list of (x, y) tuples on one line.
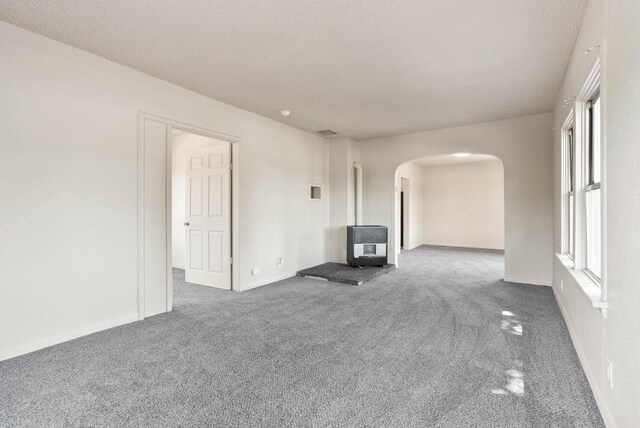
[(466, 247), (609, 421), (178, 266), (267, 281), (527, 281), (45, 343)]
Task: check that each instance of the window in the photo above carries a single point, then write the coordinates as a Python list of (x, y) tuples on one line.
[(582, 176), (592, 189)]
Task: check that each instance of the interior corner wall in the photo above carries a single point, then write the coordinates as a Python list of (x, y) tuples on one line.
[(613, 336), (68, 216), (343, 152), (523, 144), (463, 205), (413, 198), (353, 156)]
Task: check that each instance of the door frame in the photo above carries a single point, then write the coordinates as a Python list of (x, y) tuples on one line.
[(193, 129), (406, 213), (401, 219)]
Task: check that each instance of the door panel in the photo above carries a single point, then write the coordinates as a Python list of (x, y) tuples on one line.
[(196, 197), (208, 212), (195, 243), (197, 162), (216, 240), (215, 196)]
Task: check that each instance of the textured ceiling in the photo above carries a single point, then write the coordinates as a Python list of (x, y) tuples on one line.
[(362, 68)]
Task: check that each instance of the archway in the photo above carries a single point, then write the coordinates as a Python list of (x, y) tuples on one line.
[(524, 145), (449, 200)]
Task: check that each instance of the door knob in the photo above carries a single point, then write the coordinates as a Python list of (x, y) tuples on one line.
[(186, 223)]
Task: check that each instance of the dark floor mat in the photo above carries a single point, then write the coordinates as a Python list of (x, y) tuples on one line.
[(345, 274)]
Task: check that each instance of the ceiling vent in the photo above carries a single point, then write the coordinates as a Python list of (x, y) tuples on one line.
[(327, 133)]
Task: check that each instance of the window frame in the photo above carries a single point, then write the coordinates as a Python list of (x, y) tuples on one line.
[(594, 289), (578, 176), (590, 183), (569, 180)]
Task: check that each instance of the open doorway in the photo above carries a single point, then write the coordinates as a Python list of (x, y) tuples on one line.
[(200, 210), (405, 225), (453, 201), (401, 219), (207, 220)]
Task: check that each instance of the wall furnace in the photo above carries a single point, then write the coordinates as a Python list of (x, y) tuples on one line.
[(367, 245)]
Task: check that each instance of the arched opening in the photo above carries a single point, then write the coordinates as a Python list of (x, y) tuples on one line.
[(454, 201)]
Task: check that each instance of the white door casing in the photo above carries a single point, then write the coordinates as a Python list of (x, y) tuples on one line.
[(156, 292), (208, 216), (155, 279)]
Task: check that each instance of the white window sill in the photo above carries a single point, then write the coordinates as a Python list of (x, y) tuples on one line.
[(588, 286)]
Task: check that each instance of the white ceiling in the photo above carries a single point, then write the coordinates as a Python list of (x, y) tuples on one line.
[(451, 159), (362, 68)]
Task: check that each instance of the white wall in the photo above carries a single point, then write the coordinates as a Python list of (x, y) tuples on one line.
[(182, 143), (463, 205), (69, 193), (613, 334), (524, 145), (622, 331), (413, 196), (585, 322)]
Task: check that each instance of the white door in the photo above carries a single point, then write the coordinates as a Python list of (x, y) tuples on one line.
[(208, 217)]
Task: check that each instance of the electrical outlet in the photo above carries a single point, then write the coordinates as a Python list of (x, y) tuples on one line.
[(280, 262), (255, 271), (610, 373)]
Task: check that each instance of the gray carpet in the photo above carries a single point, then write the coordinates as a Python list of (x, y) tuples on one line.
[(441, 341), (345, 274)]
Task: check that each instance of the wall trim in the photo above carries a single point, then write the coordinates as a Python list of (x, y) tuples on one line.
[(65, 337), (605, 412), (527, 281), (268, 281), (459, 246)]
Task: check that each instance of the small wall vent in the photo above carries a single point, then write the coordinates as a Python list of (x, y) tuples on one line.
[(315, 192), (327, 133)]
